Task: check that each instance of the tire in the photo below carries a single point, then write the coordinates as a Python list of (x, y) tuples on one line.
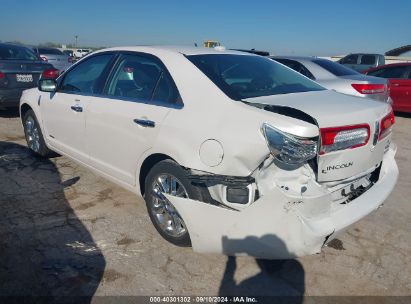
[(169, 169), (34, 136)]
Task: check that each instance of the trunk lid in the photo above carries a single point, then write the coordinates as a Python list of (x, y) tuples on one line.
[(60, 62), (21, 74), (364, 79), (331, 109)]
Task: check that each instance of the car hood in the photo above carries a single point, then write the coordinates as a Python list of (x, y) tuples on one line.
[(328, 108)]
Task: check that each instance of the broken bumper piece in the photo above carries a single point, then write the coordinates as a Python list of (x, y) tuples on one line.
[(280, 226)]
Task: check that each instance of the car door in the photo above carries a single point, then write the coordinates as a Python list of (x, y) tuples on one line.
[(64, 112), (123, 125), (398, 86), (401, 91)]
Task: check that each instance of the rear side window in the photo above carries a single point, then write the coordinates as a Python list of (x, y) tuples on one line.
[(392, 72), (50, 51), (11, 52), (350, 59), (297, 66), (367, 59), (334, 68), (84, 77), (142, 78)]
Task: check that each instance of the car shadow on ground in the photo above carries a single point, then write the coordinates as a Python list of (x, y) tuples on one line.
[(45, 250), (282, 279), (9, 112)]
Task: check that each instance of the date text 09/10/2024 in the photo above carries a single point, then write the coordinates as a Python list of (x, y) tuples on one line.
[(203, 299)]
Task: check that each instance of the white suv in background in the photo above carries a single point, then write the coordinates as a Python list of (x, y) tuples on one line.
[(232, 152), (79, 53)]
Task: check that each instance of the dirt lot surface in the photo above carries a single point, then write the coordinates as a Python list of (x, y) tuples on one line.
[(64, 230)]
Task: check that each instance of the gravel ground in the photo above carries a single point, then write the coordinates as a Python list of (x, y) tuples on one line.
[(64, 230)]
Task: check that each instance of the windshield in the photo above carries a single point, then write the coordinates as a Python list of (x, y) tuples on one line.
[(335, 68), (245, 76), (12, 52)]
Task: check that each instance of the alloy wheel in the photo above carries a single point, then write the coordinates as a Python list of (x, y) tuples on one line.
[(164, 212), (32, 134)]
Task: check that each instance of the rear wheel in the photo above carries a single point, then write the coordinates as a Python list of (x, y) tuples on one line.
[(34, 136), (168, 177)]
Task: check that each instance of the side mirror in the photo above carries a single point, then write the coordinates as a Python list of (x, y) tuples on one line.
[(47, 85)]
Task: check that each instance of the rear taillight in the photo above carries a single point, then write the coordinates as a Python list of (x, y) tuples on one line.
[(2, 75), (50, 74), (44, 58), (341, 138), (386, 125), (369, 88)]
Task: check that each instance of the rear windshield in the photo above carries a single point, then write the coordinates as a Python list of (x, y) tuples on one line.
[(335, 68), (50, 51), (12, 52), (245, 76)]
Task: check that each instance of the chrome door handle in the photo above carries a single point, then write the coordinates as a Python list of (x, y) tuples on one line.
[(145, 123), (395, 84), (77, 108)]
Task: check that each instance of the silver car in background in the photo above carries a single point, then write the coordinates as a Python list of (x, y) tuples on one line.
[(337, 77), (57, 58)]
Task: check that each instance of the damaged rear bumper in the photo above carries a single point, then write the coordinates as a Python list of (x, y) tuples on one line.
[(280, 224)]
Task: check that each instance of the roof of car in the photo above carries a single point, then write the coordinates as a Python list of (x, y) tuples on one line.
[(186, 50), (46, 48), (372, 54), (297, 58), (253, 51), (12, 44)]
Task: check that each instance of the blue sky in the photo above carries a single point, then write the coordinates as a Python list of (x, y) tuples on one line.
[(283, 27)]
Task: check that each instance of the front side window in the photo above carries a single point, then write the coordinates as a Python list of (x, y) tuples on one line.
[(334, 68), (367, 59), (246, 76), (11, 52), (85, 76), (142, 78), (393, 72)]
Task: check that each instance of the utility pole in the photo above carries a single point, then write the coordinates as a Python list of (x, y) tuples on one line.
[(76, 36)]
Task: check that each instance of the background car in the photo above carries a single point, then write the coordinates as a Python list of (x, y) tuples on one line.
[(334, 76), (54, 56), (68, 53), (79, 53), (399, 82), (362, 62), (20, 69)]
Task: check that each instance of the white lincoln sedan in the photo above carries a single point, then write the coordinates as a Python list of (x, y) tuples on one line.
[(232, 152)]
